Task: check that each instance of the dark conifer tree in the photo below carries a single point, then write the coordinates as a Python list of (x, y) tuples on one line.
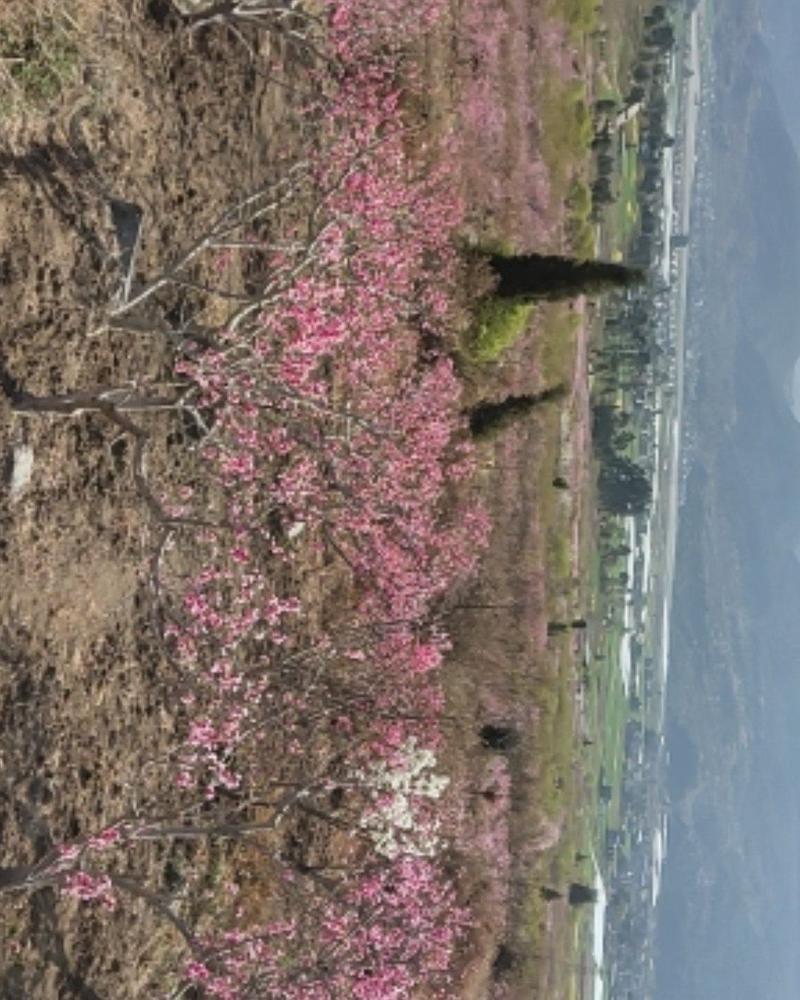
[(487, 418), (537, 276)]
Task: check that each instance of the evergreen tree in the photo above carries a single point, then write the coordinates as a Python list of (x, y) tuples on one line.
[(580, 894), (537, 276), (488, 418), (624, 487)]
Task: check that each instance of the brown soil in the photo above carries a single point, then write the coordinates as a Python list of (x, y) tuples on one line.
[(181, 124)]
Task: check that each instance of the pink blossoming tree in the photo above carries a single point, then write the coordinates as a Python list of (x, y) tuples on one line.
[(326, 409)]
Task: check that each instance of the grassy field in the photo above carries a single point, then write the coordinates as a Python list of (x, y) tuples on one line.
[(624, 217), (581, 228), (566, 131)]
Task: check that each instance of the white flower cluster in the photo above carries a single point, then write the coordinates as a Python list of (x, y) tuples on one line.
[(393, 823)]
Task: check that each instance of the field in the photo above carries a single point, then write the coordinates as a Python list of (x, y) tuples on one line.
[(262, 591)]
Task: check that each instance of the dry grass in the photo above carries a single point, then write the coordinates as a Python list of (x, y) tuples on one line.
[(179, 125), (505, 669)]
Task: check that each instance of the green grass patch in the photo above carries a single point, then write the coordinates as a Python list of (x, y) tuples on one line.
[(560, 556), (621, 221), (559, 327), (583, 239), (491, 243), (579, 200), (499, 323), (628, 202), (567, 130), (608, 709), (606, 89), (579, 15), (580, 228), (39, 56)]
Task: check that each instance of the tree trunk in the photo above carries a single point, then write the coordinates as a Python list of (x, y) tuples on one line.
[(122, 399), (14, 877)]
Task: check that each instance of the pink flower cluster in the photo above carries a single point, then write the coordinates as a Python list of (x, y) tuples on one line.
[(360, 30), (341, 423), (90, 888), (337, 435), (391, 929)]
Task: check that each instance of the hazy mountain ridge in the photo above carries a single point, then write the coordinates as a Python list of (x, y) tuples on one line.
[(729, 919), (780, 22)]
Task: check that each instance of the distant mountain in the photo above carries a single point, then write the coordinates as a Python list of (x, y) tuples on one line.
[(729, 914), (781, 34), (770, 293)]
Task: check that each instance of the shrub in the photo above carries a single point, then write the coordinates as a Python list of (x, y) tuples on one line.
[(498, 325)]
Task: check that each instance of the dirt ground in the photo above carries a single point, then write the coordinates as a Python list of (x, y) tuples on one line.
[(178, 124)]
